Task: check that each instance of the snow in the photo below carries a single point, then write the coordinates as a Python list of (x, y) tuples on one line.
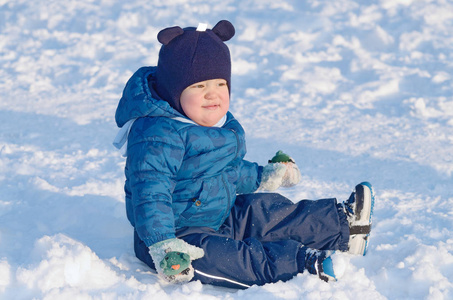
[(352, 90)]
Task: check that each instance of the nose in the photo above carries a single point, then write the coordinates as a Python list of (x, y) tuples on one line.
[(210, 93)]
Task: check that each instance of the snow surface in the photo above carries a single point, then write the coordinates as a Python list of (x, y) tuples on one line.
[(353, 90)]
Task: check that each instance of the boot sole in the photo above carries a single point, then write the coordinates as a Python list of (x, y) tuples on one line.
[(364, 209), (358, 243)]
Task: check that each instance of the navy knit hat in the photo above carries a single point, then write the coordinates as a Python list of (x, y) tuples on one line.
[(191, 55)]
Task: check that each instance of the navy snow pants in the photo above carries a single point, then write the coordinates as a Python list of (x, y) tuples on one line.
[(263, 240)]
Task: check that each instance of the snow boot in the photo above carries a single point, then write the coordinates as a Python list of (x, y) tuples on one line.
[(319, 262), (359, 210)]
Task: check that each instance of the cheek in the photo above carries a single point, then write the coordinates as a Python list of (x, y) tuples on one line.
[(187, 101), (226, 101), (227, 106)]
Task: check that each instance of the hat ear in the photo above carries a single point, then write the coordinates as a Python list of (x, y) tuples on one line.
[(224, 30), (166, 35)]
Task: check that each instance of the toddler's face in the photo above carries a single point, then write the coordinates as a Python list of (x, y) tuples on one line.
[(206, 102)]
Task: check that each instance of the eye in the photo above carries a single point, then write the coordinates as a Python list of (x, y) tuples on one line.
[(197, 86), (222, 83)]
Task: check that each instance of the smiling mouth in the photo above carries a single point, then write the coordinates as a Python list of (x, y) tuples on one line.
[(211, 107)]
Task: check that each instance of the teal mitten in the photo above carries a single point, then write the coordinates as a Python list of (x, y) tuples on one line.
[(173, 259)]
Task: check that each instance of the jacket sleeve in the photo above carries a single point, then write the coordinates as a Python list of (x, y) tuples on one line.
[(249, 177), (155, 153)]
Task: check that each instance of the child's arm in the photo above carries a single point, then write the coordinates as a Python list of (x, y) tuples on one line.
[(249, 177), (155, 153)]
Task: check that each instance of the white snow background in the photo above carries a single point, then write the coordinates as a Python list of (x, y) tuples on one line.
[(353, 90)]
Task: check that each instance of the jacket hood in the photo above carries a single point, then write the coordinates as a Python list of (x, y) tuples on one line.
[(139, 100)]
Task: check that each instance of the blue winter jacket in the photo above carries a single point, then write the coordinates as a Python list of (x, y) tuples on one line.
[(178, 174)]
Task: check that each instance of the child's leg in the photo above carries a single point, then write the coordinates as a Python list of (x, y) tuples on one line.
[(319, 224), (239, 264), (142, 251), (265, 238)]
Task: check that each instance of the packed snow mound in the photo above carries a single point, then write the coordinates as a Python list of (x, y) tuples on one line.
[(63, 263)]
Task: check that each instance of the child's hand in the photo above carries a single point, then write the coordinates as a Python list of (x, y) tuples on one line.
[(281, 171), (292, 175), (173, 259)]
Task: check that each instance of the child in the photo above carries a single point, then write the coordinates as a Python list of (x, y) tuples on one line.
[(190, 194)]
